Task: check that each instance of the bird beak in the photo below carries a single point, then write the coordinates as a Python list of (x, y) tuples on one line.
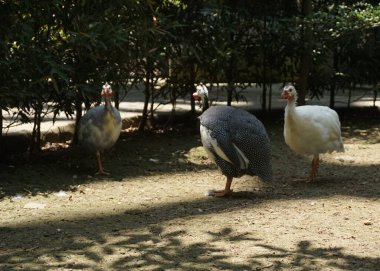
[(106, 93), (285, 95), (196, 96)]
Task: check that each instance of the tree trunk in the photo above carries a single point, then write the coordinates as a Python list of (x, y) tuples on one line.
[(306, 56), (352, 86), (231, 78), (270, 97), (1, 132), (35, 145), (148, 75), (264, 96), (374, 99), (192, 105), (173, 101), (264, 67), (230, 89), (333, 79), (116, 96), (173, 91), (78, 116), (151, 110), (1, 123), (332, 93), (193, 74)]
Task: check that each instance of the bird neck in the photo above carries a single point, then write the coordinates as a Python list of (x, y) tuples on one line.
[(107, 103), (292, 102), (290, 107)]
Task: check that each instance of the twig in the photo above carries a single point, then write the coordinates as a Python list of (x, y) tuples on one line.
[(263, 267), (26, 190)]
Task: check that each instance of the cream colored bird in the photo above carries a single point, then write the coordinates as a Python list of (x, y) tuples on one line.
[(310, 129)]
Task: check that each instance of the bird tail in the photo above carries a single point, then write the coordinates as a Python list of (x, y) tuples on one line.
[(339, 147), (266, 174), (266, 177)]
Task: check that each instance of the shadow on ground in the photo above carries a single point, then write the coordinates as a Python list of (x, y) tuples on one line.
[(140, 239), (135, 241)]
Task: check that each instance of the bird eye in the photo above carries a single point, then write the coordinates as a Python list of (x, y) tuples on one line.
[(290, 88)]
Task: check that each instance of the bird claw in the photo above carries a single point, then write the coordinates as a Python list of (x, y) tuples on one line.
[(218, 193), (102, 172), (309, 179), (296, 179)]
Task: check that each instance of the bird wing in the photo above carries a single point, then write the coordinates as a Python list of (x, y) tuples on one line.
[(250, 137), (237, 137), (314, 129), (99, 128), (217, 140), (216, 135), (89, 125)]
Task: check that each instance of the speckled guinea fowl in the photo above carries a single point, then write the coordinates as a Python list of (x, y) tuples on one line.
[(237, 142), (100, 127), (201, 94)]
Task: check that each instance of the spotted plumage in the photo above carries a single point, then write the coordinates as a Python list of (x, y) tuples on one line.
[(237, 142), (100, 127)]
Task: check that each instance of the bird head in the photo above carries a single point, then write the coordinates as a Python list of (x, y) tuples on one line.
[(201, 93), (289, 93), (106, 91)]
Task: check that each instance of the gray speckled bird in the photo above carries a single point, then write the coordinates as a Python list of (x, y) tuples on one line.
[(100, 127), (237, 142)]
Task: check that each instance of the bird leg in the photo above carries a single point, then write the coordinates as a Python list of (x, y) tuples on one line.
[(221, 193), (314, 168), (100, 166)]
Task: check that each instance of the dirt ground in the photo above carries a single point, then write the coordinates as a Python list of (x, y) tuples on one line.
[(152, 213)]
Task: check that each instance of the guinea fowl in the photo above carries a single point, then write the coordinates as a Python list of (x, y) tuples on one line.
[(100, 127), (310, 129), (237, 142), (201, 94)]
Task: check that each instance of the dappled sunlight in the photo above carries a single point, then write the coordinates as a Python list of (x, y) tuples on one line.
[(181, 177), (151, 213), (362, 136), (173, 247), (358, 154), (140, 229), (176, 195)]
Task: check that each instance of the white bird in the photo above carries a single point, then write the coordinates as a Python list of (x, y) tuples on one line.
[(310, 129), (100, 127)]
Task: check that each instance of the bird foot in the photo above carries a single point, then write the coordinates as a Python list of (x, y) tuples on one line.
[(301, 179), (219, 193), (310, 179), (102, 172)]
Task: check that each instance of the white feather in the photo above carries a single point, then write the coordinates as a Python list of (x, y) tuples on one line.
[(206, 137), (242, 158), (312, 129)]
